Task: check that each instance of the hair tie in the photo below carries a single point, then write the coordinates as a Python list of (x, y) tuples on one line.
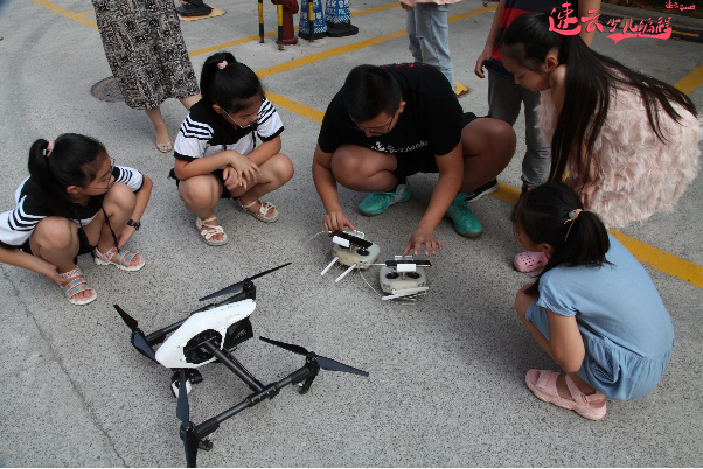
[(222, 65), (49, 148), (573, 215)]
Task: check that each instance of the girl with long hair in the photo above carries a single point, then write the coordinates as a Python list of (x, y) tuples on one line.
[(626, 142)]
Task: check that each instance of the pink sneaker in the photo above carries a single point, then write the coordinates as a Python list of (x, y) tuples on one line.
[(529, 261), (590, 406)]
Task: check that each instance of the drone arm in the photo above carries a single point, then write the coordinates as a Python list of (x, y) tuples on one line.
[(237, 368), (268, 392)]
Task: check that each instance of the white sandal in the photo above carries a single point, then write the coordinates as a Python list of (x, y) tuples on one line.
[(262, 214), (209, 231)]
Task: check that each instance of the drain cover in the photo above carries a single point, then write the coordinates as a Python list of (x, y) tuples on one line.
[(107, 90)]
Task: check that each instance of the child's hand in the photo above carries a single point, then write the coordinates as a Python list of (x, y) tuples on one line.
[(231, 180), (246, 169), (478, 67), (125, 236), (48, 271)]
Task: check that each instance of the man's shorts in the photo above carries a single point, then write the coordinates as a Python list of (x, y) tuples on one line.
[(407, 166)]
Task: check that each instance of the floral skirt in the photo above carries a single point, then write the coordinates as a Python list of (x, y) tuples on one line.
[(145, 49)]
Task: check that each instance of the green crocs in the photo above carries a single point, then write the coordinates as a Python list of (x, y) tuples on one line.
[(465, 222), (377, 202)]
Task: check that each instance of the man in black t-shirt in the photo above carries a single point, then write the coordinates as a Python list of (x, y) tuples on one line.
[(389, 122)]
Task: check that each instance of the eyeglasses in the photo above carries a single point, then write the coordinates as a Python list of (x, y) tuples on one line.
[(376, 131)]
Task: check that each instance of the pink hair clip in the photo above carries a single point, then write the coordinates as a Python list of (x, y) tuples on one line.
[(222, 65)]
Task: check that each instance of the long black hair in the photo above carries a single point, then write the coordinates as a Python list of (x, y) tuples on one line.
[(553, 214), (234, 87), (74, 161), (370, 90), (589, 77)]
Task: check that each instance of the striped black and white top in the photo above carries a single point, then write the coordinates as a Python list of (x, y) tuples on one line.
[(205, 132), (16, 226)]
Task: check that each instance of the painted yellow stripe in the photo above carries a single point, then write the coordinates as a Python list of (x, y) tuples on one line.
[(67, 13), (297, 63), (293, 64), (690, 82), (375, 9), (681, 33), (662, 260), (298, 108), (469, 14)]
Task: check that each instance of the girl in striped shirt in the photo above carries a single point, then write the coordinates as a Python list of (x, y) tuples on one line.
[(74, 201)]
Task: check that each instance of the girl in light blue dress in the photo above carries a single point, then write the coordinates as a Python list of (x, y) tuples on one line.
[(593, 308)]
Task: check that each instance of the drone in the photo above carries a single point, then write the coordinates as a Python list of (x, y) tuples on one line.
[(208, 335), (402, 277)]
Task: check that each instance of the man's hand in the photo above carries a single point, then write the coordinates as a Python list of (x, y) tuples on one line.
[(423, 237), (405, 6), (337, 220)]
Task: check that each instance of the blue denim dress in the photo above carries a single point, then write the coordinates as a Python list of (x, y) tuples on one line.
[(627, 331)]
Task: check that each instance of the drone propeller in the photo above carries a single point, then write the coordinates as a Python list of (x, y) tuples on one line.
[(324, 362), (138, 338), (190, 440), (238, 287)]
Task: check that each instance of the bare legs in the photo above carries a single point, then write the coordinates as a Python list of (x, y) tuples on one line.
[(201, 193), (487, 146), (163, 141), (522, 304), (55, 239)]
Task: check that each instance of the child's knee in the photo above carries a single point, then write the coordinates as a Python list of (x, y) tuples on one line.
[(56, 234), (199, 190), (120, 197), (283, 168)]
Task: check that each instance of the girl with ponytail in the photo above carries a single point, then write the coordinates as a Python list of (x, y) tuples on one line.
[(626, 142), (74, 201), (216, 149), (593, 308)]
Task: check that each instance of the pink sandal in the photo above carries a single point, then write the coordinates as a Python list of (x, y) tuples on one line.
[(590, 406), (76, 284), (122, 260), (529, 261)]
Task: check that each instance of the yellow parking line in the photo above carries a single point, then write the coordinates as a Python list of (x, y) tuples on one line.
[(305, 111), (690, 82), (293, 64), (51, 6)]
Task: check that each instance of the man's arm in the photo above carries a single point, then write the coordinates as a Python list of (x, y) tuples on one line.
[(451, 173), (326, 186)]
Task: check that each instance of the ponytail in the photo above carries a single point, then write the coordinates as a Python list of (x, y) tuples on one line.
[(71, 162), (228, 83), (553, 214), (589, 77)]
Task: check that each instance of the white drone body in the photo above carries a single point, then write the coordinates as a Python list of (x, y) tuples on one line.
[(348, 254), (403, 280), (171, 353)]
